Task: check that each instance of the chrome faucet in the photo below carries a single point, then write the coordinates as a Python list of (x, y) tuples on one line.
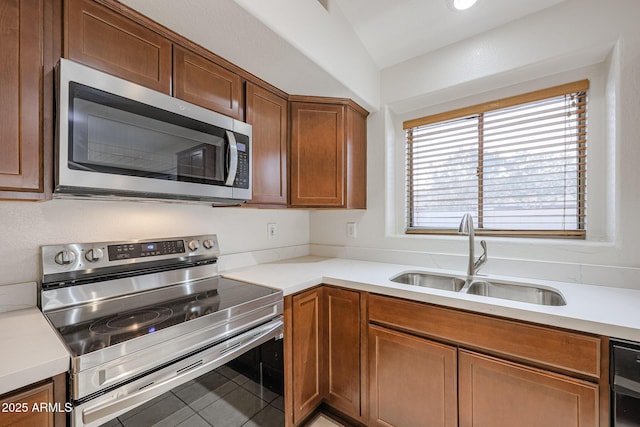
[(466, 228)]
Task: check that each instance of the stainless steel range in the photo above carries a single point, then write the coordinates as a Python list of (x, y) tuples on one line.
[(142, 317)]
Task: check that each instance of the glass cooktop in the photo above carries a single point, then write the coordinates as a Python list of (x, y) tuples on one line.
[(97, 325)]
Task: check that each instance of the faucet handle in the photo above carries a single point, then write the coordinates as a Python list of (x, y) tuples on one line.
[(482, 259)]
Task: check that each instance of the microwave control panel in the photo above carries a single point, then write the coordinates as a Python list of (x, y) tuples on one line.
[(242, 174)]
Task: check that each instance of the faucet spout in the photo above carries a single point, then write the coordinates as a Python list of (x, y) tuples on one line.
[(466, 228)]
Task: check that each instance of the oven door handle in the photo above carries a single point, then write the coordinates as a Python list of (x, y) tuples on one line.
[(145, 389)]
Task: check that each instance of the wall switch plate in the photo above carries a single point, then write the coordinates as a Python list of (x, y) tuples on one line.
[(272, 230), (351, 230)]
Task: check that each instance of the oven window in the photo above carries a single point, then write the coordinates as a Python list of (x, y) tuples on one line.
[(114, 135)]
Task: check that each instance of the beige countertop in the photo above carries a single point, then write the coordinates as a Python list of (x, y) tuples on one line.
[(31, 350), (609, 311)]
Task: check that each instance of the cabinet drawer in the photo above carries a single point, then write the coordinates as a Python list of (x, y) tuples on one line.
[(558, 349)]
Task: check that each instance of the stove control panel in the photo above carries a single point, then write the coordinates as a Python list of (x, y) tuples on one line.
[(62, 259), (145, 249)]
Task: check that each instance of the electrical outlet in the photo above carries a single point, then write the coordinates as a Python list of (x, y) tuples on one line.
[(272, 230), (351, 230)]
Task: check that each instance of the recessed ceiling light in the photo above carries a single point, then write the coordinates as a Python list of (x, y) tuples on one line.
[(460, 4)]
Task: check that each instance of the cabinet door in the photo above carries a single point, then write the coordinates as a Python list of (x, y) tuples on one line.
[(496, 393), (17, 408), (307, 335), (412, 381), (343, 350), (267, 114), (21, 80), (108, 41), (317, 155), (203, 82)]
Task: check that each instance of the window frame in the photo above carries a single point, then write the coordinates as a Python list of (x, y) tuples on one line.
[(479, 109)]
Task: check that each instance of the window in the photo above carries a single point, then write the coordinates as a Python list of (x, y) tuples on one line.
[(518, 165)]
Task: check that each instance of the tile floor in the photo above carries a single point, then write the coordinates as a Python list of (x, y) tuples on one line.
[(221, 398)]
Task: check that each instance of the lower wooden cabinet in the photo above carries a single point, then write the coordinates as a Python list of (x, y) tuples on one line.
[(322, 352), (497, 393), (342, 308), (412, 381), (384, 361), (42, 404), (304, 388)]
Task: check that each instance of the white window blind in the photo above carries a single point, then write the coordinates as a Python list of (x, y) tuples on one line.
[(517, 164)]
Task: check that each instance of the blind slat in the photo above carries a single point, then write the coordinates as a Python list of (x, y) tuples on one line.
[(520, 169)]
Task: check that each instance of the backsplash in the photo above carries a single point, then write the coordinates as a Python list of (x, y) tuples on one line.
[(24, 227), (600, 275)]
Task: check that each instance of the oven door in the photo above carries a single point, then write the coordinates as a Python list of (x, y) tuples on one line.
[(115, 402), (118, 137)]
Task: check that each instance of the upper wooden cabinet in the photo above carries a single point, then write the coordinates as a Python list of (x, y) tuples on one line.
[(328, 153), (30, 45), (203, 82), (266, 112), (101, 38)]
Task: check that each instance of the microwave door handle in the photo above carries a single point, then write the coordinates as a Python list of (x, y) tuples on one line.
[(233, 161)]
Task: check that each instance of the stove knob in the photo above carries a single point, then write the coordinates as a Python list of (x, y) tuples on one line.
[(94, 254), (208, 244), (65, 257), (194, 245)]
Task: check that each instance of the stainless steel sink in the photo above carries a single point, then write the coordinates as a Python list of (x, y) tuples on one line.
[(514, 292), (429, 280)]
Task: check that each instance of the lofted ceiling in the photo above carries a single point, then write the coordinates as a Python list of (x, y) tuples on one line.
[(340, 53), (393, 31)]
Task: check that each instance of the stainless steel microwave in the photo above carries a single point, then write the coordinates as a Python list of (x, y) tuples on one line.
[(117, 139)]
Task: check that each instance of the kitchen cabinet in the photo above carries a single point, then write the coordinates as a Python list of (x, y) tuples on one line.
[(509, 372), (328, 153), (498, 393), (322, 353), (30, 45), (412, 381), (100, 37), (304, 351), (267, 113), (203, 82), (41, 404), (342, 308)]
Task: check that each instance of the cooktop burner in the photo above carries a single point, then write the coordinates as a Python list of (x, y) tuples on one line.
[(131, 321)]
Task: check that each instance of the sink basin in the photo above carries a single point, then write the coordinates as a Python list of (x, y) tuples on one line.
[(522, 293), (429, 280)]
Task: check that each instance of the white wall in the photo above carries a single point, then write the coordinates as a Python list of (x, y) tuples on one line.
[(24, 226), (530, 53)]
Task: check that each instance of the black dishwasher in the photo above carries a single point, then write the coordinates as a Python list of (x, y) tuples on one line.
[(625, 384)]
